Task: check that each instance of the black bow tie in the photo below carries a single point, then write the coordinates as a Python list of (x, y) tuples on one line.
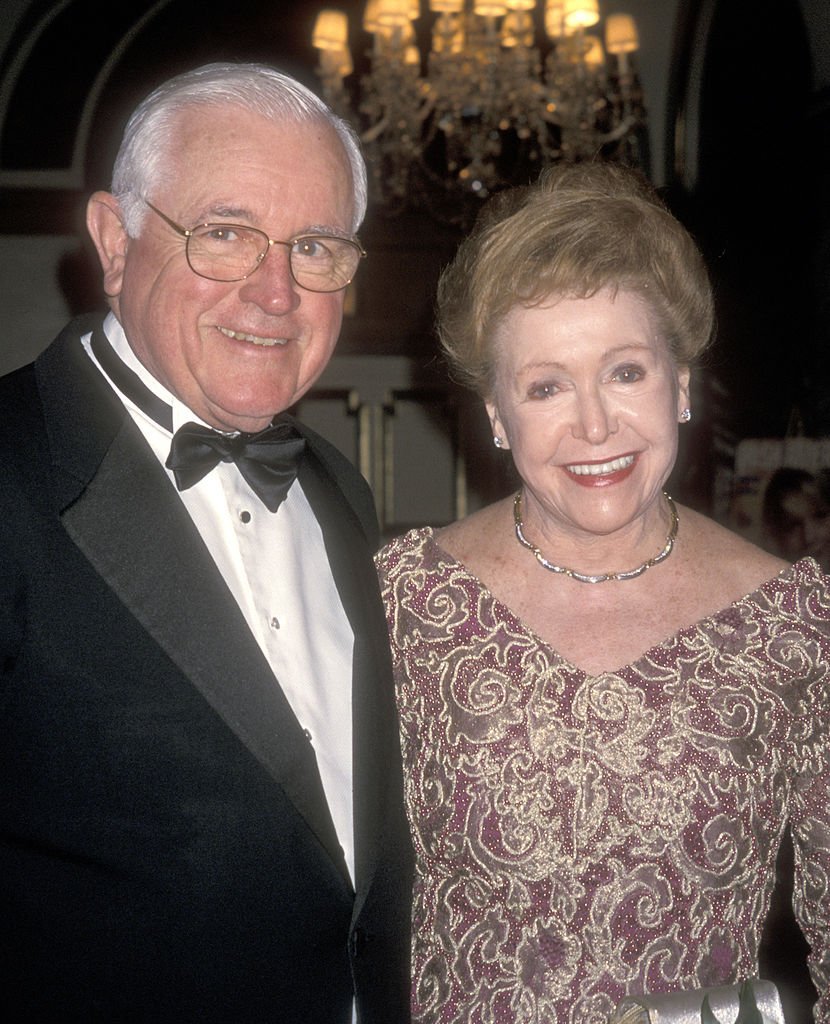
[(268, 461)]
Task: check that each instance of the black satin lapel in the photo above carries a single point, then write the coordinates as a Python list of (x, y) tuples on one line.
[(133, 528), (377, 786)]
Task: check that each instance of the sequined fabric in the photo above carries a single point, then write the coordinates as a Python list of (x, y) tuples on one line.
[(583, 837)]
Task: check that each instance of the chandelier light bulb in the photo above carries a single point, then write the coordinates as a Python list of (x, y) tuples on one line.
[(554, 19), (446, 6), (370, 17), (594, 55), (489, 8), (392, 13), (520, 5), (517, 29), (580, 14), (510, 30), (331, 30), (448, 34), (621, 34)]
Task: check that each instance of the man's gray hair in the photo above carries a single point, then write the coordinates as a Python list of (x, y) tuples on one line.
[(148, 137)]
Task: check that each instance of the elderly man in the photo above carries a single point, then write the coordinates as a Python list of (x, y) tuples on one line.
[(202, 814)]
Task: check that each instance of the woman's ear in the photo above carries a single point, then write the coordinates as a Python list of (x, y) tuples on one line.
[(499, 435), (684, 375), (105, 224)]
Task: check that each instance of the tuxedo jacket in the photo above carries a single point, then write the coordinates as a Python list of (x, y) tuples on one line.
[(166, 849)]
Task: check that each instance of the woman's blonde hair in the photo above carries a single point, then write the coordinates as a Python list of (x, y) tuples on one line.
[(577, 230)]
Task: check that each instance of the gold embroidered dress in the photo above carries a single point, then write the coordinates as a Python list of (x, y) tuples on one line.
[(582, 837)]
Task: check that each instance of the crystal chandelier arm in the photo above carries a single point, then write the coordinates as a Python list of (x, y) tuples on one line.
[(622, 129), (377, 129)]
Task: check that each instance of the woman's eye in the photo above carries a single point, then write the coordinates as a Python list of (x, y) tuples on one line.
[(629, 374), (545, 390)]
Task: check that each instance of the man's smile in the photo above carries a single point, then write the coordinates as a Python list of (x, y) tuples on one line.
[(255, 339)]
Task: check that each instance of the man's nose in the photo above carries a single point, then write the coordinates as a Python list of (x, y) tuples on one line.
[(271, 286)]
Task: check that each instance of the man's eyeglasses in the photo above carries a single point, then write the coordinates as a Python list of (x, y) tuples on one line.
[(232, 252)]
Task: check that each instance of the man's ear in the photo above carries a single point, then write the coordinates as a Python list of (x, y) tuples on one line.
[(105, 224)]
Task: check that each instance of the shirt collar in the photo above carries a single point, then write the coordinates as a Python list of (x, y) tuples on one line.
[(118, 339)]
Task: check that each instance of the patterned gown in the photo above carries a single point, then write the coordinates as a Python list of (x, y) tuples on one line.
[(582, 837)]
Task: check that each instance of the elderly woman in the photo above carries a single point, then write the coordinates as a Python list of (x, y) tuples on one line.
[(611, 707)]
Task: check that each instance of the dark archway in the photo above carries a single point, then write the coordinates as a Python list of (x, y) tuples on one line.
[(72, 75), (748, 174)]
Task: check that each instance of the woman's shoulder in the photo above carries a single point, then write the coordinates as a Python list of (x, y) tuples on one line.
[(729, 567), (477, 539), (725, 555), (415, 550), (467, 546), (405, 547)]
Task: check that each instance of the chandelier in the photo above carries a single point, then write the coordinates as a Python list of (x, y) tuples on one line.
[(486, 106)]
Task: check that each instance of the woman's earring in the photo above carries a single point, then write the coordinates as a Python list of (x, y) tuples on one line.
[(498, 442), (685, 416)]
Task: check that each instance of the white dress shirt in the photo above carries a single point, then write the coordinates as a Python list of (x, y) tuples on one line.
[(276, 567)]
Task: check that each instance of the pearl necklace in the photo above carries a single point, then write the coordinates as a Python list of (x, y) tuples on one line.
[(606, 576)]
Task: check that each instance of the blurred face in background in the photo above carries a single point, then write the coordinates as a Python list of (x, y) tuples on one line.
[(803, 524)]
